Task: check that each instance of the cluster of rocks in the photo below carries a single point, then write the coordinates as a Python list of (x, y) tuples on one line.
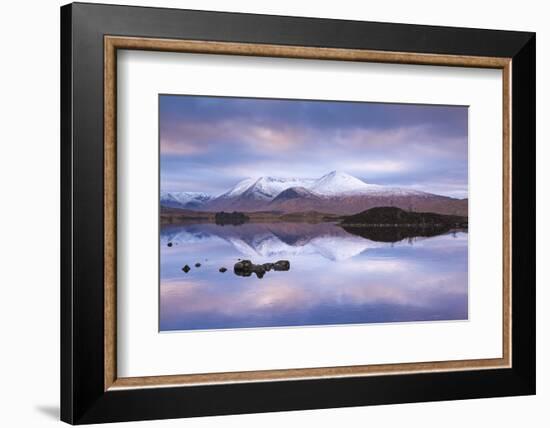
[(247, 268)]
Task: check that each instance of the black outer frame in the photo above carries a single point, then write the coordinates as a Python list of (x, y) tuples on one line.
[(83, 399)]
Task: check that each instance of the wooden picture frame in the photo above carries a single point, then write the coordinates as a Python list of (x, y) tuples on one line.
[(91, 390)]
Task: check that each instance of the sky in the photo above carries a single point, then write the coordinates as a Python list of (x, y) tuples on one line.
[(208, 144)]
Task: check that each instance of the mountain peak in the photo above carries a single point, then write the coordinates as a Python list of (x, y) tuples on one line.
[(266, 187), (184, 199), (239, 188), (337, 182), (336, 173)]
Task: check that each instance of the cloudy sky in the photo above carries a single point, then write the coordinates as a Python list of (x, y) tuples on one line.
[(208, 144)]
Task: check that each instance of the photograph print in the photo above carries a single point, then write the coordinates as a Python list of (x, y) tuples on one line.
[(289, 213)]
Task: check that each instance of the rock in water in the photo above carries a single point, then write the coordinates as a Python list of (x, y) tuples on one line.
[(281, 265), (243, 268), (197, 265), (243, 265), (222, 270), (186, 268), (247, 268), (169, 244), (259, 271)]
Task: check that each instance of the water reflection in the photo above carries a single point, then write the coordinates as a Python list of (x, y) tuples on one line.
[(338, 276)]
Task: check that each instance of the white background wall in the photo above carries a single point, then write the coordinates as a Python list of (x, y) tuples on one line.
[(29, 214)]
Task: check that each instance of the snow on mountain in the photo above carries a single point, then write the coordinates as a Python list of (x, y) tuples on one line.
[(397, 191), (239, 188), (266, 188), (332, 184), (184, 199), (337, 183)]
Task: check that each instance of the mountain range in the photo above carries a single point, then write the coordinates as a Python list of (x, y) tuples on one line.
[(188, 200), (334, 193)]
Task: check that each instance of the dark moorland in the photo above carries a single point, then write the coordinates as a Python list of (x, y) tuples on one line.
[(378, 217)]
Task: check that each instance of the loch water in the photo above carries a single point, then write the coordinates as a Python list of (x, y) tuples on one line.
[(336, 276)]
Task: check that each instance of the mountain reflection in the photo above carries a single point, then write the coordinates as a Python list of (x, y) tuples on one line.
[(336, 277), (286, 239)]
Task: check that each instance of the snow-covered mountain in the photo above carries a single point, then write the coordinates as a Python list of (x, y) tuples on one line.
[(188, 200), (239, 188), (335, 192), (334, 183), (339, 183), (266, 188)]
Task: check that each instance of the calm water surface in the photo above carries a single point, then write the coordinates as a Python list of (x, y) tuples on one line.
[(335, 277)]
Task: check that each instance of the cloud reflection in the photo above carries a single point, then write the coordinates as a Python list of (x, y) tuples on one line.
[(425, 280)]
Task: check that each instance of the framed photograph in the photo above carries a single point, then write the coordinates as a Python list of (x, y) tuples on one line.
[(265, 213)]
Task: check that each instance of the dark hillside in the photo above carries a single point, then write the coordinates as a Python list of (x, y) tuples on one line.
[(392, 216)]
